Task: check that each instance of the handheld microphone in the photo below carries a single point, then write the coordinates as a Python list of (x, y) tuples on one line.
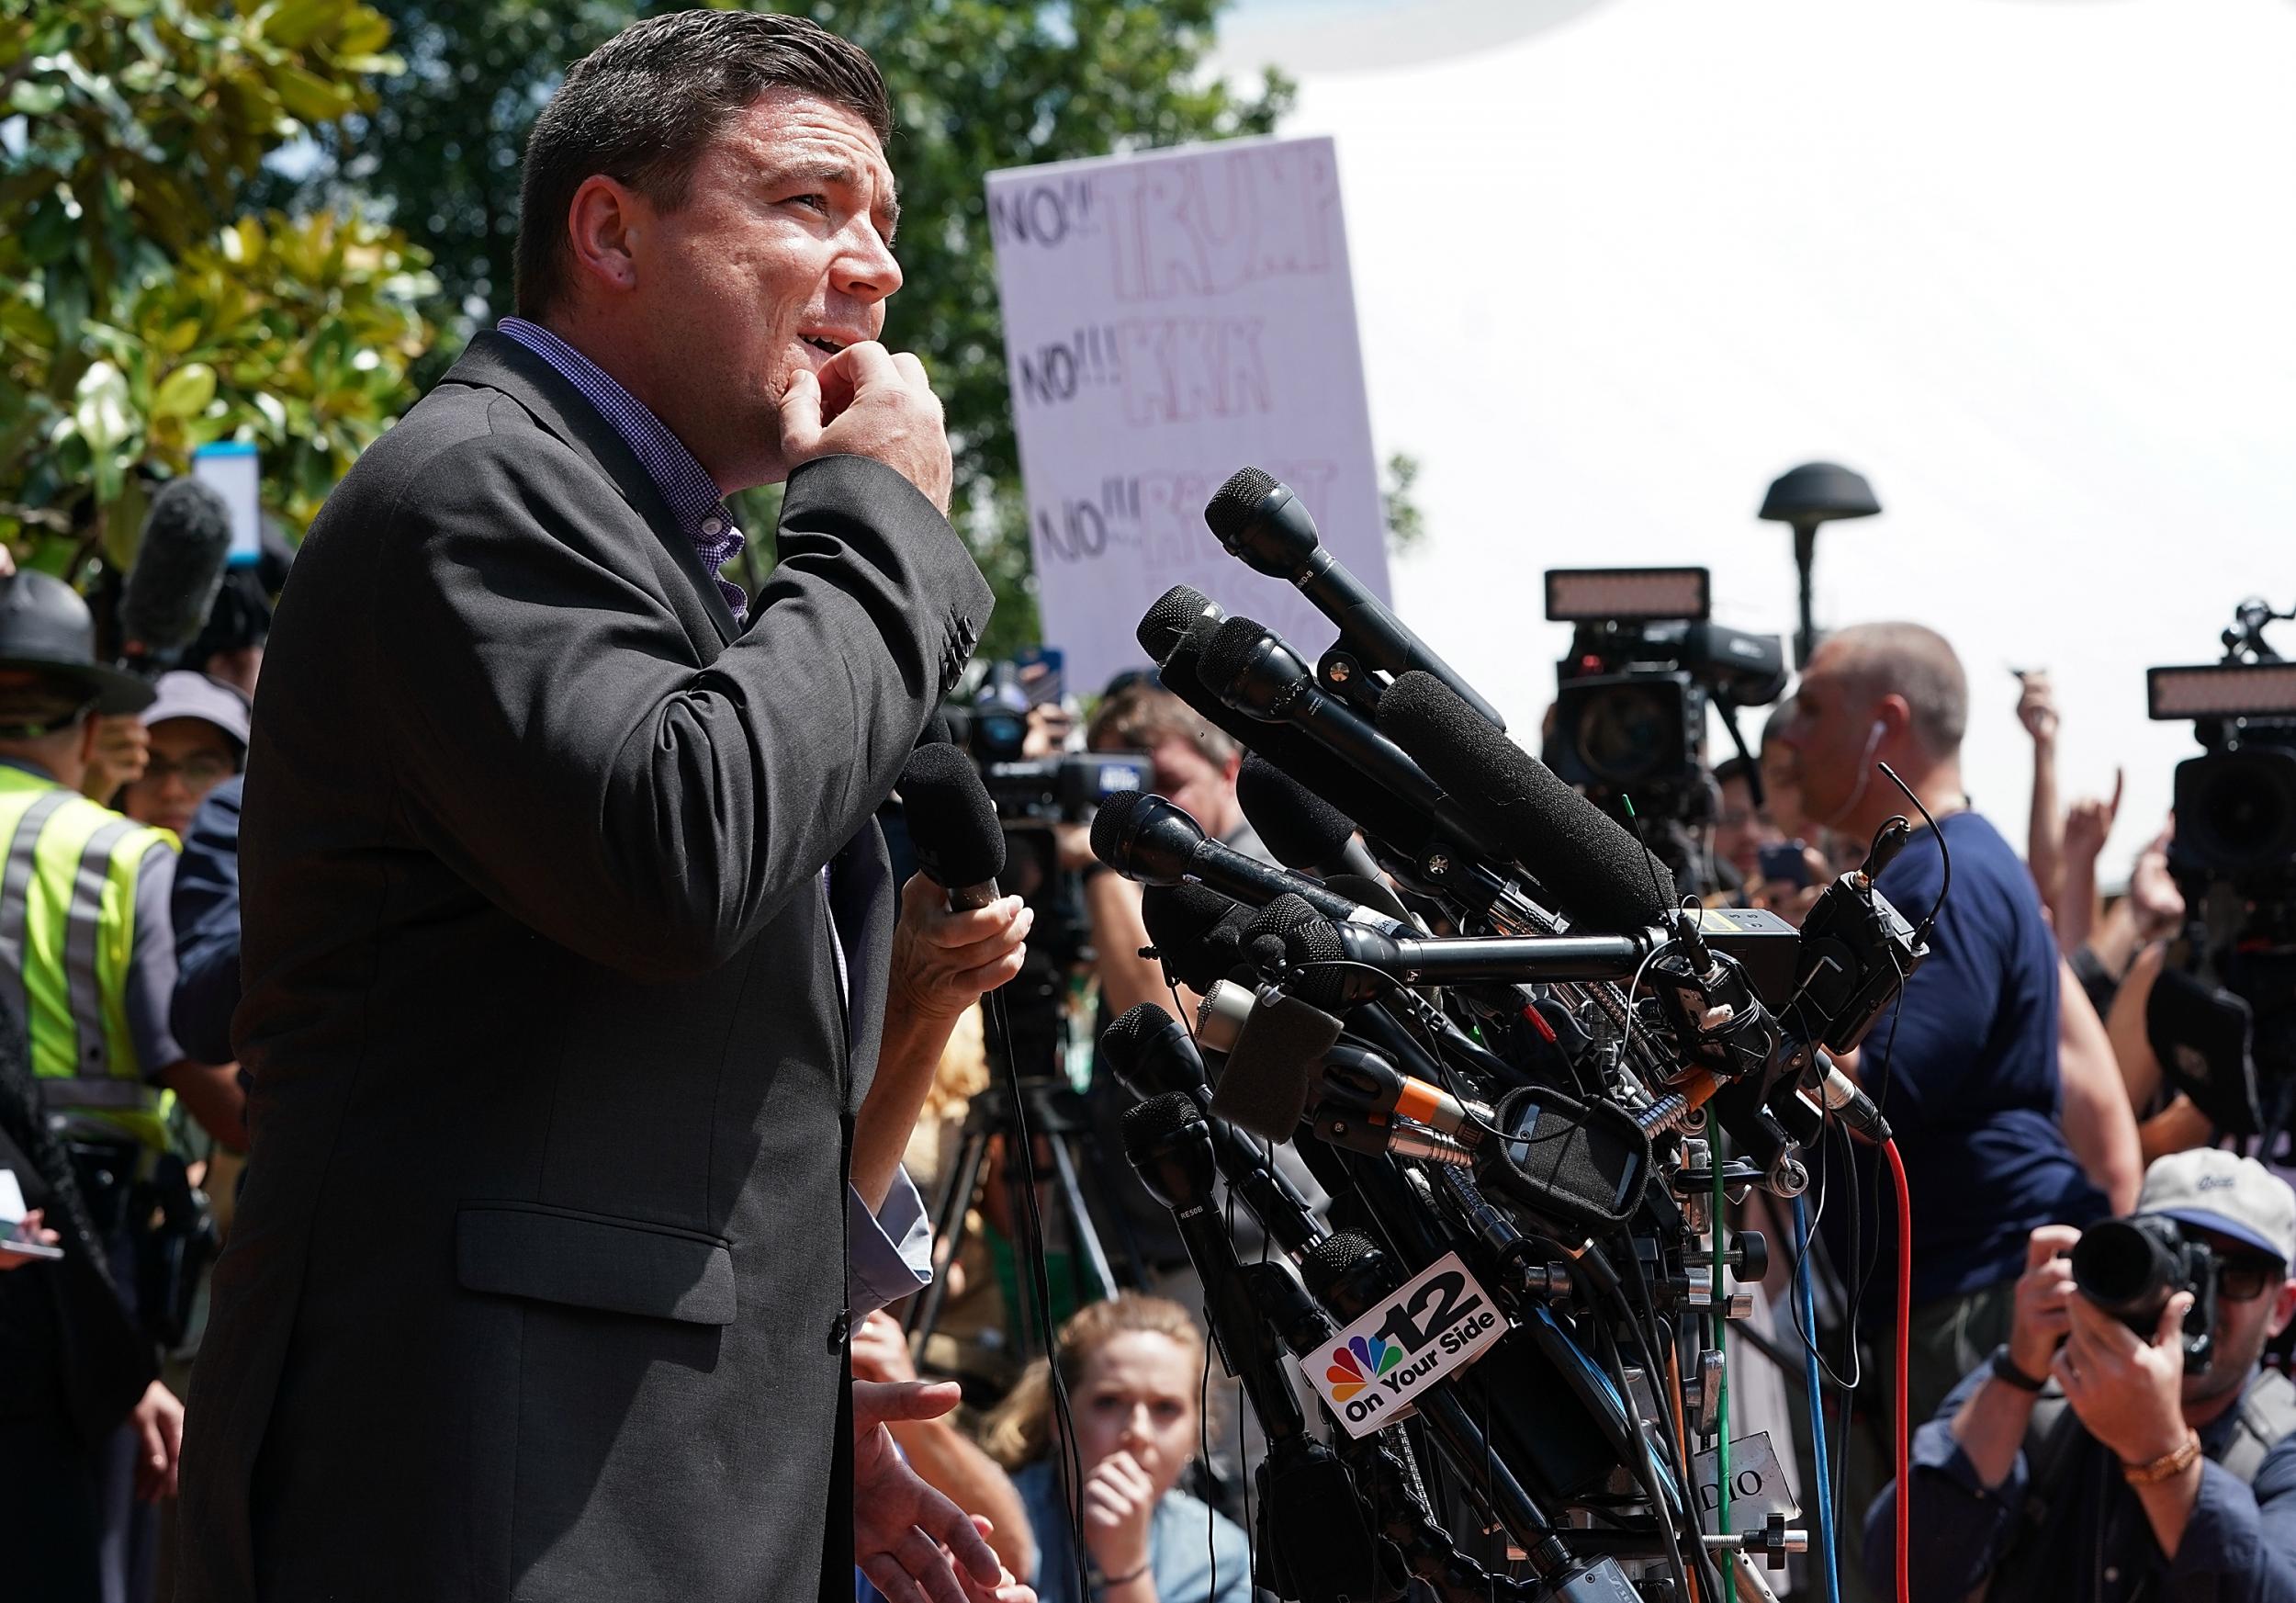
[(1300, 829), (1172, 615), (1170, 1144), (1152, 1055), (1197, 932), (952, 824), (1249, 667), (1146, 837), (1603, 876), (1260, 520), (170, 586), (1271, 1068), (1384, 815)]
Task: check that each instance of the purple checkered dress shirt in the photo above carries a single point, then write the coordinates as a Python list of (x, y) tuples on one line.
[(686, 486)]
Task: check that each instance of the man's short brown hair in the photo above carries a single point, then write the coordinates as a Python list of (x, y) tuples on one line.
[(1141, 716), (641, 108)]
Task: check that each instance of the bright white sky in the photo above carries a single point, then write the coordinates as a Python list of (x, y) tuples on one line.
[(2025, 264)]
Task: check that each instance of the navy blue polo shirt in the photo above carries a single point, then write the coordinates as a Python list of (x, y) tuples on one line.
[(1966, 1074)]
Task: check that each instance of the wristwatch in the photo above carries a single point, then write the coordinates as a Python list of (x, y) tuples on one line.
[(2005, 1370)]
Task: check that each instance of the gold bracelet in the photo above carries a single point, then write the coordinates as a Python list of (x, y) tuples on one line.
[(2167, 1467)]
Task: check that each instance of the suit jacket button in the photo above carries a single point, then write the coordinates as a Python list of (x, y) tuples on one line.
[(840, 1328)]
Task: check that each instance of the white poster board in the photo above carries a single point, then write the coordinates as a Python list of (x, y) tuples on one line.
[(1168, 319)]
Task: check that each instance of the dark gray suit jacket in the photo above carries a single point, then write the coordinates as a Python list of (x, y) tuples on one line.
[(537, 1287)]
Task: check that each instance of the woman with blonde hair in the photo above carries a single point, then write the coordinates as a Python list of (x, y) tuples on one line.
[(1134, 1367)]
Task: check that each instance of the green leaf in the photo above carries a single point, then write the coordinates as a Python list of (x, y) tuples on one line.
[(36, 99), (308, 96), (185, 392), (294, 23)]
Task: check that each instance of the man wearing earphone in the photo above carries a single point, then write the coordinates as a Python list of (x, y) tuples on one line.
[(1967, 1070)]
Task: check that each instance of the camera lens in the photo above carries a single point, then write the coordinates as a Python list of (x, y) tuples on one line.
[(1628, 731)]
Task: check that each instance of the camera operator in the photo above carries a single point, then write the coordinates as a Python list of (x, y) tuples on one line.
[(2083, 1461)]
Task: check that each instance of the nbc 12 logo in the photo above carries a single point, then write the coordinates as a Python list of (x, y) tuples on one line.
[(1438, 1324)]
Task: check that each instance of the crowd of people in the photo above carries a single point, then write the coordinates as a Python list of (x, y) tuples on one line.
[(598, 1065)]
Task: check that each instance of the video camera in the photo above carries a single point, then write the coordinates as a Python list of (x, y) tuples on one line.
[(2130, 1267), (1036, 793), (1630, 713), (2221, 1018)]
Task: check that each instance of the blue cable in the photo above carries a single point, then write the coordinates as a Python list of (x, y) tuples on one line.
[(1816, 1402)]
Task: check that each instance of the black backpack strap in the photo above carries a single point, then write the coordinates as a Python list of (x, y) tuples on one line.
[(2051, 1437), (2266, 1418)]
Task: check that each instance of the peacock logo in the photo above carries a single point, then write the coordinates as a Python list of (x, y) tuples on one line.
[(1354, 1366)]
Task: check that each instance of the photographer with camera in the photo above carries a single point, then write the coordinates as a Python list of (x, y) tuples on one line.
[(2123, 1443)]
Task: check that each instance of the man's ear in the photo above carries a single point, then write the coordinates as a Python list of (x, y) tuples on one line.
[(603, 224), (1895, 714), (2283, 1309)]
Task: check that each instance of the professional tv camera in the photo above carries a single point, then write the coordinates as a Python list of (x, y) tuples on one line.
[(2221, 1018), (1532, 1080), (1630, 714)]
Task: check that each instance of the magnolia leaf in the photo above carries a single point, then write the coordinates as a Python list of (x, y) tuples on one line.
[(294, 23), (185, 392), (308, 96), (123, 522)]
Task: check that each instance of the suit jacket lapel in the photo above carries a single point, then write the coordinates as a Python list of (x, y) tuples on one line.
[(496, 362)]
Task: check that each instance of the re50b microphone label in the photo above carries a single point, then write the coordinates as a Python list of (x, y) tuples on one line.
[(1438, 1324)]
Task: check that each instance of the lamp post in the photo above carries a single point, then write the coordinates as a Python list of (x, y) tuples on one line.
[(1804, 497)]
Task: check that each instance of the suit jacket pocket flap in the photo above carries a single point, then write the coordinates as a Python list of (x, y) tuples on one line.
[(621, 1265)]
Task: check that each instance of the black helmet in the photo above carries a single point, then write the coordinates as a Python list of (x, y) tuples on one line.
[(46, 629)]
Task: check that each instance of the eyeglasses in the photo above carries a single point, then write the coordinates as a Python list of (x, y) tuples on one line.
[(199, 772), (2243, 1277)]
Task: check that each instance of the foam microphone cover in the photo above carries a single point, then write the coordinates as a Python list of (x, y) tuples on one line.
[(178, 568), (1602, 877), (1299, 828), (1289, 934), (1174, 612), (1197, 933), (1271, 1069), (952, 823)]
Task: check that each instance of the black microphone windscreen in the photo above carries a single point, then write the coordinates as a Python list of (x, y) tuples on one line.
[(1298, 827), (1271, 1068), (1604, 878), (952, 823), (172, 584), (1119, 1043), (1229, 511), (1155, 1119), (1109, 824), (1228, 650), (1196, 930), (1175, 613)]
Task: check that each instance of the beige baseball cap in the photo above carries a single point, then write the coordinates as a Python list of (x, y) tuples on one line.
[(2213, 1189)]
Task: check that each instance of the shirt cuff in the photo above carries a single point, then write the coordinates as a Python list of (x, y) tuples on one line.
[(889, 1254)]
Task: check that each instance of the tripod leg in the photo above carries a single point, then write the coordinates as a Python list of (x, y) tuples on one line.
[(1086, 1240), (949, 1221)]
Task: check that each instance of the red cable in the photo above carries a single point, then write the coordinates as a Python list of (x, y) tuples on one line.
[(1905, 1346)]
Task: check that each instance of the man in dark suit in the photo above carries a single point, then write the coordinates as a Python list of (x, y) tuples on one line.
[(566, 921)]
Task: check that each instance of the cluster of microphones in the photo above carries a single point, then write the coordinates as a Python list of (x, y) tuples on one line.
[(1522, 1068)]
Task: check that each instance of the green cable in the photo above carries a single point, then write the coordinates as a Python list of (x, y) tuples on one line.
[(1717, 1301)]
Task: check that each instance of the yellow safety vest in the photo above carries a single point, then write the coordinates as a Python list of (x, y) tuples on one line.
[(67, 934)]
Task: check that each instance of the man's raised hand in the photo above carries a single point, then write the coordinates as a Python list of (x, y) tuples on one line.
[(868, 401)]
